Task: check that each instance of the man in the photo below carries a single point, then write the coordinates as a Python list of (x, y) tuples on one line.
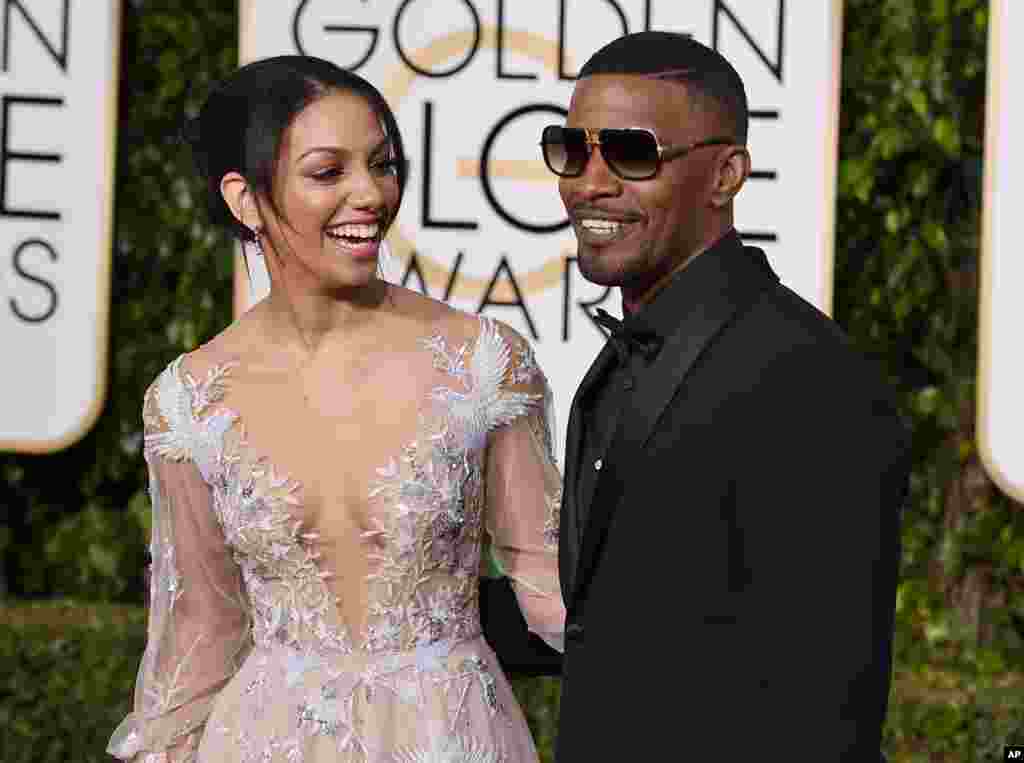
[(734, 469)]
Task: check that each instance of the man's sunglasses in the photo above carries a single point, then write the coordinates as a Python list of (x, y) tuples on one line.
[(632, 153)]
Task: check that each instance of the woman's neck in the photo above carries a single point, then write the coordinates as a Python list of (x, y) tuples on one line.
[(302, 321)]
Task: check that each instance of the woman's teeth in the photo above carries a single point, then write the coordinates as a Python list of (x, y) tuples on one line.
[(356, 232)]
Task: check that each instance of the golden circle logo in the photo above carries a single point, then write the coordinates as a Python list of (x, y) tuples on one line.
[(396, 88)]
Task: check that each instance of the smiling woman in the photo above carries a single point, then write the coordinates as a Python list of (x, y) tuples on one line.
[(323, 472), (334, 193), (247, 121)]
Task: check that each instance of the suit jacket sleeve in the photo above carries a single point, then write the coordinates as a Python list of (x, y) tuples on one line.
[(519, 651), (822, 479)]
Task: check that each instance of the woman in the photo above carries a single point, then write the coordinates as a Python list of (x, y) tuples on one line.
[(323, 471)]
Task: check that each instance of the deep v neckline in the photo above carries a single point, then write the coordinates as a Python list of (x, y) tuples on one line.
[(424, 521)]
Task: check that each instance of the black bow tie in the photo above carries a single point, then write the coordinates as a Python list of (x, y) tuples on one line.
[(627, 337)]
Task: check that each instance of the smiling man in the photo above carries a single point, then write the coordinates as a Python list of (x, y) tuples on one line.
[(734, 469), (664, 147)]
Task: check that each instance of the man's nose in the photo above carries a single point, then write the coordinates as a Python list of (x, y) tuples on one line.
[(597, 178)]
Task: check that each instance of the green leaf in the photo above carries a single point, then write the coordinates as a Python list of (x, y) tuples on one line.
[(946, 135), (919, 103)]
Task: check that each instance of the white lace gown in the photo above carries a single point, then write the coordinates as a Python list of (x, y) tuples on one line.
[(317, 603)]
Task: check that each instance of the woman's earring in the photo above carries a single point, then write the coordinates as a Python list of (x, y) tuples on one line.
[(384, 261), (256, 243)]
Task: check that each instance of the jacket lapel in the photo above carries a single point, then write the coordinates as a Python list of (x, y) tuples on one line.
[(569, 528), (728, 281)]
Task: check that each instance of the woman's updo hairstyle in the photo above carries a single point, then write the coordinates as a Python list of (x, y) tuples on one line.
[(241, 125)]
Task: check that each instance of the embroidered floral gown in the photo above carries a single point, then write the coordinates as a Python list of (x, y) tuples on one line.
[(334, 616)]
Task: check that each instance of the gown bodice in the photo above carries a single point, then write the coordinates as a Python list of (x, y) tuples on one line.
[(363, 552)]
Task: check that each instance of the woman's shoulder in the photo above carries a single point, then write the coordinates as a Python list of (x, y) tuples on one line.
[(240, 338), (197, 372), (427, 310), (456, 326)]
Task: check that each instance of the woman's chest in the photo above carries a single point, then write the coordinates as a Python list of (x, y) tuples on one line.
[(401, 468)]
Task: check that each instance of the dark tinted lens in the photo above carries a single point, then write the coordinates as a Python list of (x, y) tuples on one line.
[(631, 153), (565, 149)]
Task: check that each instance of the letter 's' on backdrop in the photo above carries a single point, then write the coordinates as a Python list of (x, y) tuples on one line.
[(58, 92), (1001, 348), (473, 82)]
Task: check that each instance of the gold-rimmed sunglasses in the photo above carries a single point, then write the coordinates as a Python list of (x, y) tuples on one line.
[(632, 153)]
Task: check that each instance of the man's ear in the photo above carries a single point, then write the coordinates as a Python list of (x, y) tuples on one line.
[(733, 171), (241, 200)]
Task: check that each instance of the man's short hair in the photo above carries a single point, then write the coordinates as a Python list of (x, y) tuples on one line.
[(679, 58)]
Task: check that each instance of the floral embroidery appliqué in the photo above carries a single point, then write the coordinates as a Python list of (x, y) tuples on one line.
[(429, 528), (252, 503), (424, 540)]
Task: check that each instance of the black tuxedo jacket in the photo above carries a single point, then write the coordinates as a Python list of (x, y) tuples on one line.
[(732, 592)]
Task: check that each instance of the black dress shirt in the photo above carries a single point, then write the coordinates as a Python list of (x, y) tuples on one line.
[(611, 398)]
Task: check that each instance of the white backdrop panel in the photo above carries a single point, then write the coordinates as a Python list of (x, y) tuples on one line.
[(58, 93), (1001, 361), (473, 81)]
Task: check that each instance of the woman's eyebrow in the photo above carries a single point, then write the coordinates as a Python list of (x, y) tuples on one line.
[(342, 152), (337, 150)]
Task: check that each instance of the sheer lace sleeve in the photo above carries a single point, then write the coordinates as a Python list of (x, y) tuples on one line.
[(198, 630), (524, 491)]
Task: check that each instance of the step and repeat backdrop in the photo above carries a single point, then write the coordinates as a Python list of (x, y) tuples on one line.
[(473, 82), (58, 108), (482, 226)]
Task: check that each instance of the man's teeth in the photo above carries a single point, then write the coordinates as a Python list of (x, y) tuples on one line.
[(600, 226), (355, 230)]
